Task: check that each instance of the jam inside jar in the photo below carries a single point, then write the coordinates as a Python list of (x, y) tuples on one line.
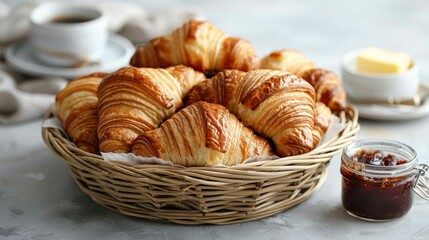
[(378, 179)]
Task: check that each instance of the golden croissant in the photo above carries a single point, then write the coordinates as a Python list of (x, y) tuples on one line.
[(203, 134), (322, 122), (288, 60), (327, 84), (275, 104), (135, 100), (328, 88), (200, 45), (76, 107)]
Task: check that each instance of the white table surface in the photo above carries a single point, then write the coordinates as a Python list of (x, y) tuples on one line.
[(39, 200)]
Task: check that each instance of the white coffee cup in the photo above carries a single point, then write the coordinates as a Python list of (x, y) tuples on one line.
[(67, 35)]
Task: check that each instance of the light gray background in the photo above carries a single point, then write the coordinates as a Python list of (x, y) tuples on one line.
[(39, 200)]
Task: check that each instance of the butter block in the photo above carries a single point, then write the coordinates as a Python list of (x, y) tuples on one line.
[(375, 60)]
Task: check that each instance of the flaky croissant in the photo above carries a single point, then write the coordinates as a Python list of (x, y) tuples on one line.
[(275, 104), (322, 122), (199, 45), (328, 88), (135, 100), (327, 84), (203, 134), (76, 107), (287, 60)]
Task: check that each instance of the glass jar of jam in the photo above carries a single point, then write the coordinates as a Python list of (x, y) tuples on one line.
[(378, 179)]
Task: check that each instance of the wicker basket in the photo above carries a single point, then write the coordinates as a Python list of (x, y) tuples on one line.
[(202, 195)]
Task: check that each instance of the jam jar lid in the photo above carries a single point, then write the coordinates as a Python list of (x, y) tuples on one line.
[(398, 149)]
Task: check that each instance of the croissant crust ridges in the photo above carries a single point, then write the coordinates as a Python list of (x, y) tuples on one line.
[(76, 107), (222, 139), (77, 92), (322, 121), (135, 100), (288, 60), (300, 125), (327, 84), (199, 45), (81, 126), (220, 89), (328, 88), (186, 76), (279, 95), (272, 103), (143, 82)]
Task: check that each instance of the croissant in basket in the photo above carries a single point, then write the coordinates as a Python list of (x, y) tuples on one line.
[(328, 88), (275, 104), (135, 100), (287, 60), (327, 84), (199, 45), (203, 134), (76, 107)]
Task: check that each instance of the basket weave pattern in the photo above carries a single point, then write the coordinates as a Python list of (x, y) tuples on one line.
[(202, 195)]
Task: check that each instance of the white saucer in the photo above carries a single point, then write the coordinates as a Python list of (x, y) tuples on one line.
[(117, 54), (397, 112)]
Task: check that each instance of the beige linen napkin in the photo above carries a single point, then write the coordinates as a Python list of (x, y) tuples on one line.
[(23, 98), (27, 99)]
